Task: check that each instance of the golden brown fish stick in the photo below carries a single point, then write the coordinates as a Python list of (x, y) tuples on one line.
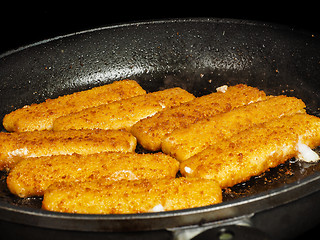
[(185, 142), (150, 131), (125, 113), (32, 176), (41, 116), (253, 151), (139, 196), (16, 146)]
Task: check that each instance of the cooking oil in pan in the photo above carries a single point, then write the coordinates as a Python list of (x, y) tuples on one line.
[(289, 172)]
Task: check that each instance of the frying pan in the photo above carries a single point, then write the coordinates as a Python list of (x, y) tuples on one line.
[(197, 55)]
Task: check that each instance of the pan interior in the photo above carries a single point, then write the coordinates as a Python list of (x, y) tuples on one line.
[(198, 55)]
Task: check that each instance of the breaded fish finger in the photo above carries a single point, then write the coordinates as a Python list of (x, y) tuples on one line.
[(125, 113), (253, 151), (138, 196), (41, 116), (15, 146), (185, 142), (150, 131), (32, 176)]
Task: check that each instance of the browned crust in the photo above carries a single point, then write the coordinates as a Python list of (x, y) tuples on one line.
[(41, 116), (32, 176), (185, 142), (254, 151), (150, 131), (125, 113), (16, 146), (101, 197)]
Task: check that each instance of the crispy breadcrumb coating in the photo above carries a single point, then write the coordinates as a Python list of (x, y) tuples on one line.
[(253, 151), (185, 142), (16, 146), (138, 196), (125, 113), (150, 131), (41, 116), (32, 176)]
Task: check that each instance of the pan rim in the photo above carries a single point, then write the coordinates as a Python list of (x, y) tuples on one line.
[(62, 220), (153, 22)]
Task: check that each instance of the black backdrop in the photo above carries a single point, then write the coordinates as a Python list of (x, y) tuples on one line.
[(25, 24)]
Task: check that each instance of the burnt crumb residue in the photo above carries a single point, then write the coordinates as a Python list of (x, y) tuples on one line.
[(289, 172)]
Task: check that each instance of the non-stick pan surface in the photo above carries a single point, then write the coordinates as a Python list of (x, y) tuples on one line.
[(195, 54)]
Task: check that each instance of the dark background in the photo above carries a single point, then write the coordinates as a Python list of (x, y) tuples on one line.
[(25, 24)]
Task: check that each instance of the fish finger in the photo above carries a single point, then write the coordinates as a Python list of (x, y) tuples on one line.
[(137, 196), (150, 131), (185, 142), (253, 151), (41, 116), (16, 146), (125, 113), (32, 176)]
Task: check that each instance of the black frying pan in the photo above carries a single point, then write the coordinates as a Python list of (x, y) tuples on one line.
[(197, 55)]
